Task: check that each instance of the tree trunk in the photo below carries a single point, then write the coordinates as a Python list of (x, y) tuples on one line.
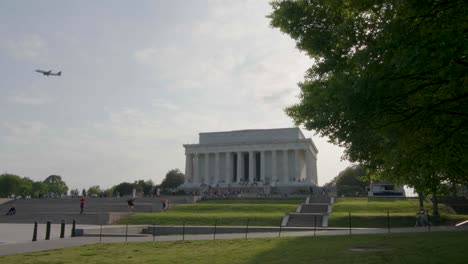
[(421, 200), (435, 205)]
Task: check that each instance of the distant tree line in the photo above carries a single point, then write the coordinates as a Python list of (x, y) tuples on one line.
[(14, 185), (173, 179), (54, 186), (352, 181)]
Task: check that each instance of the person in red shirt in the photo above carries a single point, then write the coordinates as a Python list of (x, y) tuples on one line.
[(82, 203)]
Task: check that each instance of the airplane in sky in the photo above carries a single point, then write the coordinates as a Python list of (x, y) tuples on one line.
[(49, 73)]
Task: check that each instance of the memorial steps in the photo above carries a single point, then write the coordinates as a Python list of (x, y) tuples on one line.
[(97, 210), (305, 220), (313, 213)]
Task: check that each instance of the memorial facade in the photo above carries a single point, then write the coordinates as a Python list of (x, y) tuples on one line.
[(251, 158)]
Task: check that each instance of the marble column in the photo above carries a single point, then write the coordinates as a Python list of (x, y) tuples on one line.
[(285, 166), (274, 176), (262, 166), (196, 170), (217, 177), (297, 174), (188, 168), (239, 166), (251, 166), (227, 175), (207, 168), (309, 166), (314, 170)]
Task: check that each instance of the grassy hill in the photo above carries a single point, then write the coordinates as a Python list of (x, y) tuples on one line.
[(365, 212), (372, 212), (224, 212)]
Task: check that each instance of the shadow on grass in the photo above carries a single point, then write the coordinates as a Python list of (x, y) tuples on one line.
[(440, 247)]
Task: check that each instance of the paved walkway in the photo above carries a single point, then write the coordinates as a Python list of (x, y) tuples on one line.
[(16, 238)]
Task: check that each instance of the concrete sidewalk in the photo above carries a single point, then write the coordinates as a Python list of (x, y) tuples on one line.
[(20, 233), (24, 246)]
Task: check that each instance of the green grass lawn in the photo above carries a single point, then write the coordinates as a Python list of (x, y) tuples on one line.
[(365, 212), (225, 212), (426, 248), (372, 212)]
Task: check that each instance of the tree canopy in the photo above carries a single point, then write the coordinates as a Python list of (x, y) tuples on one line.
[(174, 178), (389, 82), (55, 185), (11, 184), (124, 188), (352, 181)]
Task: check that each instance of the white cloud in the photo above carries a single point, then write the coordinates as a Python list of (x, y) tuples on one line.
[(29, 99), (147, 55), (25, 47), (164, 104), (24, 132)]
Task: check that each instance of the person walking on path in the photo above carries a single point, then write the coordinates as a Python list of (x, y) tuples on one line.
[(82, 203), (12, 210), (421, 218), (131, 203)]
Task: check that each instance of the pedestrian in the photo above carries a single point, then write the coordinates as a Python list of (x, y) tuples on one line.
[(421, 217), (82, 204), (131, 203), (12, 210)]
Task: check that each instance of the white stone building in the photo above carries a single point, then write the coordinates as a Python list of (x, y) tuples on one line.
[(251, 158)]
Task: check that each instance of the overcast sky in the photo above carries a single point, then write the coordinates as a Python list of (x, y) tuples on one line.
[(139, 79)]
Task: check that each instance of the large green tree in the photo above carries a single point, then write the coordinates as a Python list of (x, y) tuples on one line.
[(146, 187), (38, 189), (94, 190), (124, 188), (352, 181), (55, 185), (10, 184), (174, 178), (389, 82)]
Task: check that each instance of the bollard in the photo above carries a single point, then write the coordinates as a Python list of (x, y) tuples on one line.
[(281, 225), (388, 221), (73, 231), (100, 234), (247, 228), (349, 219), (214, 233), (154, 231), (315, 224), (183, 231), (62, 229), (35, 232), (126, 233), (47, 235)]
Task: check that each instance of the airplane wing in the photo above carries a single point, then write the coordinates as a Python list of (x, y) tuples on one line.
[(45, 72), (50, 73)]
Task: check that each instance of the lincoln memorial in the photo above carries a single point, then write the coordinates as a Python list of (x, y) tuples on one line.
[(275, 158)]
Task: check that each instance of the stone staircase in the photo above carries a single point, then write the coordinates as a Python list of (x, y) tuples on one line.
[(459, 204), (313, 213), (97, 210)]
